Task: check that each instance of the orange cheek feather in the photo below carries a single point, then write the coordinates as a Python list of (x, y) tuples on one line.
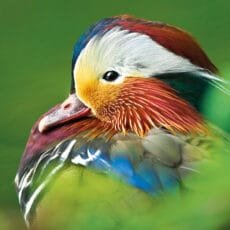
[(139, 104)]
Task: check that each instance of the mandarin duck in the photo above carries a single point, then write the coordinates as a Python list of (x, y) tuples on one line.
[(132, 123)]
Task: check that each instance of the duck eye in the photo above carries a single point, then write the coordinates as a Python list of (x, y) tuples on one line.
[(111, 75)]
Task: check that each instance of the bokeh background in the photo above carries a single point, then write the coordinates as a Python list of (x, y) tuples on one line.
[(36, 41)]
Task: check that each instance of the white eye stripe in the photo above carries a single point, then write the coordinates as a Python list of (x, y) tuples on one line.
[(130, 54)]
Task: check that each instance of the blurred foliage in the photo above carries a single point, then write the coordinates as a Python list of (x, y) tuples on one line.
[(36, 44)]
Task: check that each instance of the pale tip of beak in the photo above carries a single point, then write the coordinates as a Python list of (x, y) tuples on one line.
[(42, 125)]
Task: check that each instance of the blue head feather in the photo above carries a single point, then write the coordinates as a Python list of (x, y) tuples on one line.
[(97, 28)]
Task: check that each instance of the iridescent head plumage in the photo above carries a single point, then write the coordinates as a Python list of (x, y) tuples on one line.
[(140, 54)]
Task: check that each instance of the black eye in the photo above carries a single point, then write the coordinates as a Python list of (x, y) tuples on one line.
[(111, 75)]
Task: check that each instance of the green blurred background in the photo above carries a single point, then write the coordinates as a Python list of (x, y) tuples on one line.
[(36, 44)]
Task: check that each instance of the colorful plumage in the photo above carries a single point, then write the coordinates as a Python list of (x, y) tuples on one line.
[(133, 114)]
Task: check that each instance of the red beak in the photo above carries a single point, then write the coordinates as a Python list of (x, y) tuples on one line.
[(55, 125), (71, 109)]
